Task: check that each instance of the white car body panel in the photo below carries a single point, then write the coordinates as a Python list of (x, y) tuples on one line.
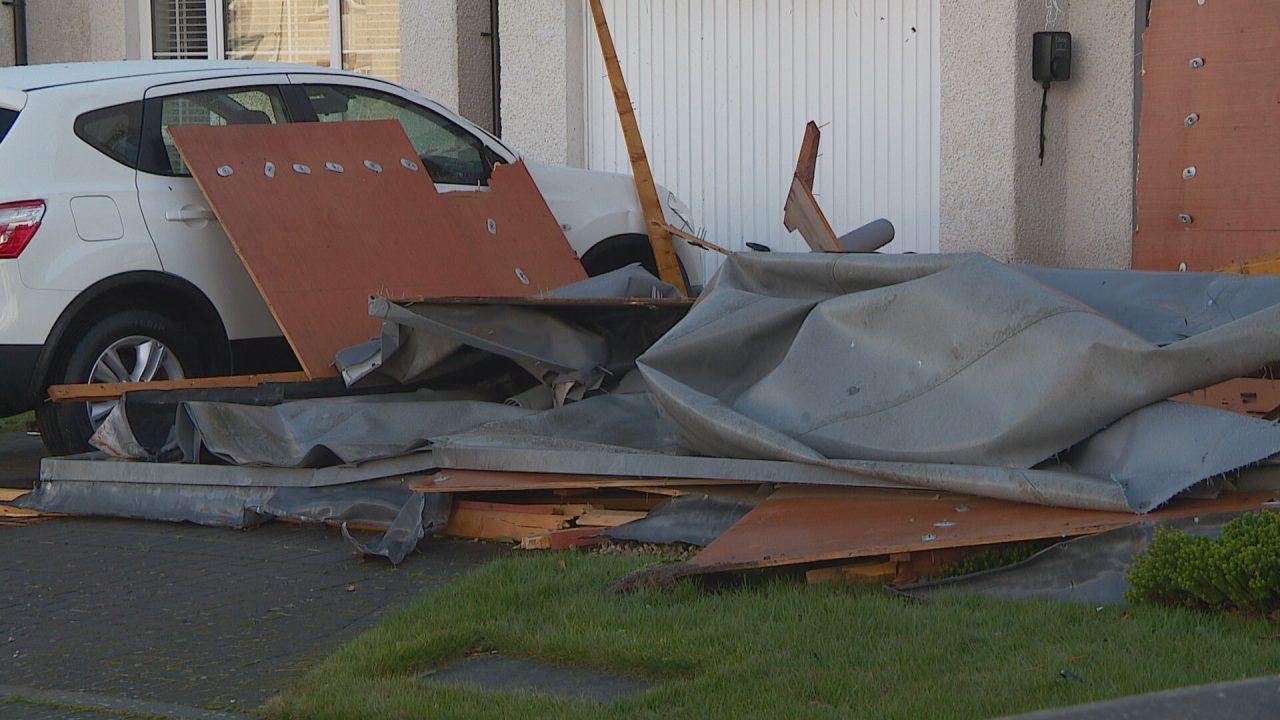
[(189, 238)]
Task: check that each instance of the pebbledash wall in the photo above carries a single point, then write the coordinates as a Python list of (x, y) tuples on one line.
[(995, 197)]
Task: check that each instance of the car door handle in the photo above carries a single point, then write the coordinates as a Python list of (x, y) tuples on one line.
[(189, 213)]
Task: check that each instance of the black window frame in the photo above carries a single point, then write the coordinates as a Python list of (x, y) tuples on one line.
[(134, 109), (153, 157), (7, 119), (299, 103)]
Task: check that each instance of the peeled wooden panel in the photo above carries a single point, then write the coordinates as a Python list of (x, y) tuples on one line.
[(348, 212), (1251, 396), (812, 524), (1232, 145)]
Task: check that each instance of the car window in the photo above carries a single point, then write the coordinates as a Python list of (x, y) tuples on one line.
[(114, 131), (232, 106), (7, 119), (452, 155)]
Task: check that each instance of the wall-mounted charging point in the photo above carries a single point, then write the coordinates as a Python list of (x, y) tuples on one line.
[(1050, 63)]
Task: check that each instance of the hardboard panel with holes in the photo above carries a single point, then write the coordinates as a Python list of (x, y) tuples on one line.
[(325, 215)]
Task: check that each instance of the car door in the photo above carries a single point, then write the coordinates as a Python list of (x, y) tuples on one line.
[(187, 235), (457, 158)]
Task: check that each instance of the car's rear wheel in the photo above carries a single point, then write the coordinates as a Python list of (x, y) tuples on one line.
[(124, 346)]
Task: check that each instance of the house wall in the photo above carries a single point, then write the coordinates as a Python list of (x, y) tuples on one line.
[(444, 56), (6, 36), (429, 48), (1077, 209), (542, 78), (475, 63), (76, 30)]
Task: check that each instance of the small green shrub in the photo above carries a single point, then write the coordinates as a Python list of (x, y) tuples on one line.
[(1238, 571)]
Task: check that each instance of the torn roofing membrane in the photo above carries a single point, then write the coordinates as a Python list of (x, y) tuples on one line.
[(947, 372)]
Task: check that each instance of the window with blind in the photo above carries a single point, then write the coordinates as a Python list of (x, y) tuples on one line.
[(179, 29), (362, 36)]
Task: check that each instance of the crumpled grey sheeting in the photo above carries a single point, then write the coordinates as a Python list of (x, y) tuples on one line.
[(416, 339), (948, 372), (956, 372)]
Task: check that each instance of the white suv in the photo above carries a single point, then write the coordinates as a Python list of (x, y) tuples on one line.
[(113, 267)]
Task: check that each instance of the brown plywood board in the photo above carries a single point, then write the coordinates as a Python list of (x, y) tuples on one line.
[(318, 242), (812, 524), (1232, 145)]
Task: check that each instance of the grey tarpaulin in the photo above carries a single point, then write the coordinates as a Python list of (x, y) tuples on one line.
[(946, 371), (696, 518), (951, 372), (241, 497), (556, 347), (309, 433)]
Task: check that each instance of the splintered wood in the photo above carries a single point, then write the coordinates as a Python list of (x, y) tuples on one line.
[(1208, 183), (664, 251), (10, 515), (802, 211), (325, 215)]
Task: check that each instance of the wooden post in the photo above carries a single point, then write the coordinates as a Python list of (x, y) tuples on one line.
[(664, 251)]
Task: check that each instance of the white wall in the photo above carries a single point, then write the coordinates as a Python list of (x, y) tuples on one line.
[(1076, 210), (6, 36), (429, 48), (542, 78)]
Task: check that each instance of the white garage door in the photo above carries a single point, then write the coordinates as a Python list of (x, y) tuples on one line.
[(723, 89)]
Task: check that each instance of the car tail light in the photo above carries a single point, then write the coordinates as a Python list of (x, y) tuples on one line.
[(19, 222)]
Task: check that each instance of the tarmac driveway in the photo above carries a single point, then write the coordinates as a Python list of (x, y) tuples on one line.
[(198, 617)]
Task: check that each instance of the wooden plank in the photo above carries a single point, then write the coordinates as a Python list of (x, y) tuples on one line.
[(609, 518), (1231, 144), (664, 251), (458, 481), (563, 539), (11, 494), (1250, 396), (482, 524), (109, 391), (319, 242), (805, 524), (855, 573), (694, 239), (802, 211)]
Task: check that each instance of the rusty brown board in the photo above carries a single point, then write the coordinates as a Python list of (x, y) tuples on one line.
[(325, 215), (1208, 137), (804, 524)]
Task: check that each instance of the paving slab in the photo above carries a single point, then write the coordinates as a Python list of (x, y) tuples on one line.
[(1257, 699), (199, 617), (494, 672)]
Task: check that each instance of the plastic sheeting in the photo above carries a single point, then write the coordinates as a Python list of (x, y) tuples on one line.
[(951, 372), (244, 497), (956, 372)]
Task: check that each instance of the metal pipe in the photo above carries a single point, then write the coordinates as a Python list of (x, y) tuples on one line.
[(495, 65), (20, 32)]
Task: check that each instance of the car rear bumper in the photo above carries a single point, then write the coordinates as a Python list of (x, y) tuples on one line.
[(17, 365)]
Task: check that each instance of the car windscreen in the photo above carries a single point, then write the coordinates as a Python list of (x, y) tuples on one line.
[(7, 119)]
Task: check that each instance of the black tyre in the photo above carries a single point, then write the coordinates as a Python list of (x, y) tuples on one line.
[(123, 346)]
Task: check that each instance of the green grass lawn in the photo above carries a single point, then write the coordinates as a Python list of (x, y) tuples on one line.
[(773, 649)]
